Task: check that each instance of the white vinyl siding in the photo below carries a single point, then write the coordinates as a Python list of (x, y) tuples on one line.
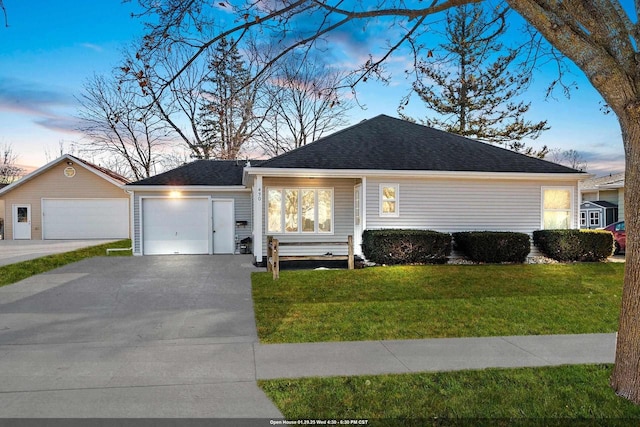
[(342, 222), (451, 205)]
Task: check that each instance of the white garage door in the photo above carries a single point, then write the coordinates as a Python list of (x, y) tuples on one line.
[(85, 218), (175, 226)]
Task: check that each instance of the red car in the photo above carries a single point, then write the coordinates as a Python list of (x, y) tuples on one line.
[(619, 236)]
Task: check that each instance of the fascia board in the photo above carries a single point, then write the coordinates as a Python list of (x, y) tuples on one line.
[(189, 188), (357, 173)]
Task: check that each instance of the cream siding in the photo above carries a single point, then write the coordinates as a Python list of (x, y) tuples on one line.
[(54, 184), (621, 204), (242, 211), (342, 215)]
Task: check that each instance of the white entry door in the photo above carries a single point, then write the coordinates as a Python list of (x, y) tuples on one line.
[(223, 227), (21, 222)]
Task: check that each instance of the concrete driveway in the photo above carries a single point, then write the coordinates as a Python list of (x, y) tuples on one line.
[(12, 251), (132, 337)]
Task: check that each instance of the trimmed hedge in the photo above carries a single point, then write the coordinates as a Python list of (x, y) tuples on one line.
[(400, 246), (493, 246), (574, 245)]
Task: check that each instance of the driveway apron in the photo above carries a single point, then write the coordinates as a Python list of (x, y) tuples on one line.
[(165, 336)]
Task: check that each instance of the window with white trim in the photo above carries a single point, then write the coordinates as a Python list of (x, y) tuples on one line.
[(389, 196), (299, 210), (583, 219), (557, 207), (594, 218)]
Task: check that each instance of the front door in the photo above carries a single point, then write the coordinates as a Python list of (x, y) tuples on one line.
[(21, 222), (357, 219), (223, 227)]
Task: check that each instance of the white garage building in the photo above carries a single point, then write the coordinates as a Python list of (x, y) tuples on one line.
[(66, 199)]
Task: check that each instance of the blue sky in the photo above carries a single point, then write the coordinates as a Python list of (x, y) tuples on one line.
[(49, 50)]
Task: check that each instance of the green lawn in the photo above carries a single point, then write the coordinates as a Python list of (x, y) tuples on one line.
[(535, 395), (21, 270), (410, 302)]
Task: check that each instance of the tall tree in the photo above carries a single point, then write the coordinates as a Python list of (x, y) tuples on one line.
[(227, 117), (120, 126), (471, 89), (306, 104), (601, 37), (9, 170)]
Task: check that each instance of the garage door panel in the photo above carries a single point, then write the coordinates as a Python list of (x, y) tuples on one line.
[(85, 218), (175, 226)]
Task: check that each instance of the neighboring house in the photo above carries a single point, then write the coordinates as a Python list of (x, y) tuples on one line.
[(610, 189), (68, 198), (381, 173)]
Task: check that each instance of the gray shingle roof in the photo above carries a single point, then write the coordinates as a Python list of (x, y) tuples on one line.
[(601, 203), (201, 172), (387, 143)]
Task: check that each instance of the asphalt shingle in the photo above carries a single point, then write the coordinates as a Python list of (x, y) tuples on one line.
[(201, 172), (387, 143)]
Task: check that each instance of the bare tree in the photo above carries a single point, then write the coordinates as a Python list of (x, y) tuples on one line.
[(120, 127), (9, 170), (599, 36), (63, 149), (306, 104), (570, 158), (175, 96)]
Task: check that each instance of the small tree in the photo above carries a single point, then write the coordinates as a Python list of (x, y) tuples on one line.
[(9, 170), (471, 87), (570, 158)]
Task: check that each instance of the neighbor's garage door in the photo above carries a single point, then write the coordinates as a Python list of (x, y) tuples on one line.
[(175, 226), (85, 218)]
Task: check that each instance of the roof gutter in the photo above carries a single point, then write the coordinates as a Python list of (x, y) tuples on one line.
[(357, 173)]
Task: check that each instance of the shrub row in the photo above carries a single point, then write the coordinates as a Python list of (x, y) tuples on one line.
[(493, 246), (400, 246), (574, 245)]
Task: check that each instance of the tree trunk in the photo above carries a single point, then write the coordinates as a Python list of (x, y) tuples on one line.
[(626, 375)]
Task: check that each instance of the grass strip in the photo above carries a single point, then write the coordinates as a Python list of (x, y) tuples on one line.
[(560, 393), (437, 302), (13, 273)]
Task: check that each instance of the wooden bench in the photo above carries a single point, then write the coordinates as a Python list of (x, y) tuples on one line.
[(274, 257)]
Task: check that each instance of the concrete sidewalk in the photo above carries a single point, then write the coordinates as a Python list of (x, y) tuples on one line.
[(446, 354)]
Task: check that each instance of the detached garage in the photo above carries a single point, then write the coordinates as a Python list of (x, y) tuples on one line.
[(67, 199)]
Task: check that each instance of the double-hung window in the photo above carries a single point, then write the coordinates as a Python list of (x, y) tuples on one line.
[(557, 207), (300, 210), (389, 194), (594, 218)]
